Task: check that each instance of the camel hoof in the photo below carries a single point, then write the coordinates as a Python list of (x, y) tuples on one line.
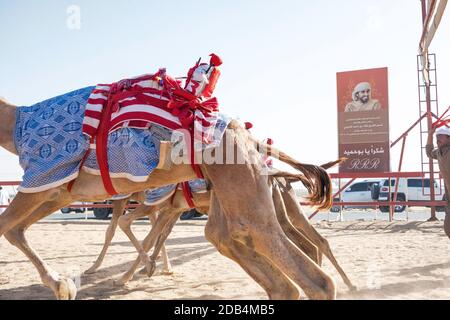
[(353, 288), (123, 281), (167, 272), (120, 282), (91, 270), (150, 268), (67, 290), (143, 271)]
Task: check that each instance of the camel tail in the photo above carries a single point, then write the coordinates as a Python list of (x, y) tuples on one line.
[(316, 179), (331, 164), (292, 177)]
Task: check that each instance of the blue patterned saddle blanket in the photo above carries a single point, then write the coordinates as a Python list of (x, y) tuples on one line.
[(159, 195), (50, 144)]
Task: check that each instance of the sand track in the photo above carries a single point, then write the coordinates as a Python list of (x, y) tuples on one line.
[(400, 260)]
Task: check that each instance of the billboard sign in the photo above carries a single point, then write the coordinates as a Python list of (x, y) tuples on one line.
[(363, 120)]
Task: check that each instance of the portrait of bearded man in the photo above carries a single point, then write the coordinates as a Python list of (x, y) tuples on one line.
[(362, 99)]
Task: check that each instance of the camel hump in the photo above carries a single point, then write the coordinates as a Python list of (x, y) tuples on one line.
[(5, 103), (3, 100)]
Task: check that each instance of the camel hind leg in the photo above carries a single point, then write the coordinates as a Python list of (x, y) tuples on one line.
[(118, 210), (23, 206), (63, 288)]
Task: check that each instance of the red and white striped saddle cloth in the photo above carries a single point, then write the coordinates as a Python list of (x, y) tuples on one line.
[(150, 99), (157, 99), (160, 99)]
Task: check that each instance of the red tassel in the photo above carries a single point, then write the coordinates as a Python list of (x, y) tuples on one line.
[(215, 60)]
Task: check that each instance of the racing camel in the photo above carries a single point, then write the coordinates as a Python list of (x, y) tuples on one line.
[(242, 220), (296, 225)]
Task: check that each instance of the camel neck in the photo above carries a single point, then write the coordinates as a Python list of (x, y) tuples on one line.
[(7, 126)]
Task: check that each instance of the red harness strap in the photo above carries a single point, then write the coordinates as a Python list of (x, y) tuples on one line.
[(181, 109), (198, 171), (102, 144), (195, 167), (186, 192)]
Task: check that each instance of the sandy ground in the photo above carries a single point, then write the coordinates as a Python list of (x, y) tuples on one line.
[(400, 260)]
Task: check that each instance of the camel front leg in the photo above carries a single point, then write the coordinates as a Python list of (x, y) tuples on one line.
[(251, 218), (147, 244), (160, 244), (260, 269), (118, 210), (302, 242), (201, 201), (268, 276), (125, 222), (288, 258), (167, 266), (447, 221), (63, 288), (302, 223)]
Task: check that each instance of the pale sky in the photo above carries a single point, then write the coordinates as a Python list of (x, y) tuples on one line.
[(280, 58)]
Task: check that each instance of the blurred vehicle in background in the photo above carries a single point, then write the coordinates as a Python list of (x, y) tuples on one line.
[(190, 214), (409, 189), (67, 210), (104, 213), (358, 191)]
